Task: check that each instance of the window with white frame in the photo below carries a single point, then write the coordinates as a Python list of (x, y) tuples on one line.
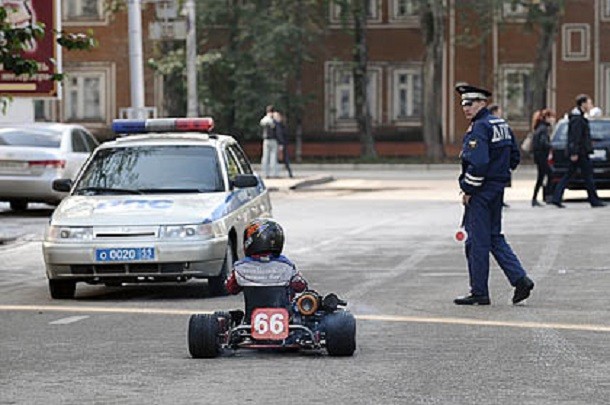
[(341, 108), (339, 13), (405, 90), (516, 90), (576, 42), (44, 110), (401, 10), (85, 97), (605, 4), (82, 9)]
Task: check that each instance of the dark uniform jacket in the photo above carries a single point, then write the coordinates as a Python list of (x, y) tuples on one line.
[(489, 153), (579, 134)]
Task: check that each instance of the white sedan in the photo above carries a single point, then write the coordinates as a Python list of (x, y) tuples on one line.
[(33, 155)]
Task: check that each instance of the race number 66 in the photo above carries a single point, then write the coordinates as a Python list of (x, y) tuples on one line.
[(270, 323)]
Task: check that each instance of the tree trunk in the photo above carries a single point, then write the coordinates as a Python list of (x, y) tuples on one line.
[(362, 109), (549, 26), (433, 30), (298, 79)]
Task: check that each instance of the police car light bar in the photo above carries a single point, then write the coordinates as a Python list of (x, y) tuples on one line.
[(136, 126)]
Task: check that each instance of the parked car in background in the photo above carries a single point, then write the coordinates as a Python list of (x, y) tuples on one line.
[(33, 155), (167, 203), (559, 159)]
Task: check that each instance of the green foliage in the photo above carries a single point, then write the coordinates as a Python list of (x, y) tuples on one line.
[(254, 51)]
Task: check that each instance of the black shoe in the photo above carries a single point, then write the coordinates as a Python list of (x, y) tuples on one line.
[(535, 203), (505, 205), (471, 299), (557, 204), (522, 289), (598, 204)]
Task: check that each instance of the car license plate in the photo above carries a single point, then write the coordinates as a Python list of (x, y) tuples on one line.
[(12, 166), (598, 154), (124, 254)]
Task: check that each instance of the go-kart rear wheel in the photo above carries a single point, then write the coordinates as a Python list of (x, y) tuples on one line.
[(340, 330), (203, 336)]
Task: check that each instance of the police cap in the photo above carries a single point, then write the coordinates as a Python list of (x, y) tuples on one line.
[(471, 93)]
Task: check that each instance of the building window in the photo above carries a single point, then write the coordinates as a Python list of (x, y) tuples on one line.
[(605, 4), (77, 12), (44, 110), (404, 12), (341, 109), (84, 97), (516, 90), (338, 13), (576, 42), (514, 11), (405, 90)]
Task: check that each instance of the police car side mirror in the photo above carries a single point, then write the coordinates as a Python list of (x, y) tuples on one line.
[(63, 185), (244, 181)]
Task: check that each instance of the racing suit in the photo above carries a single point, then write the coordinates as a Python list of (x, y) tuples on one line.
[(489, 153)]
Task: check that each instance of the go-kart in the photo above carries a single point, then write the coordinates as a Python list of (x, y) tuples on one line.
[(272, 321)]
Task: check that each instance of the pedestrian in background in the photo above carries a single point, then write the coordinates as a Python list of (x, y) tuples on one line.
[(270, 145), (489, 153), (496, 110), (542, 122), (281, 134), (578, 148)]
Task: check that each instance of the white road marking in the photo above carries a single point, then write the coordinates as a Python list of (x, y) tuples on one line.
[(378, 318), (69, 320)]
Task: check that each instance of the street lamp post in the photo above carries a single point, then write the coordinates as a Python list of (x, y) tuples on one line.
[(191, 60)]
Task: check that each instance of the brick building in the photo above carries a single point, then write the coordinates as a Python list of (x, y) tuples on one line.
[(98, 83)]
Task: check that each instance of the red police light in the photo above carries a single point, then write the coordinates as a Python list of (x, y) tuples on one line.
[(205, 124)]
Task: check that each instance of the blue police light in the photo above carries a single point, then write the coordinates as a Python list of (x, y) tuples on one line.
[(127, 126)]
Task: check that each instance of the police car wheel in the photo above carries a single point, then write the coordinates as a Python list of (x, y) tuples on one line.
[(62, 289), (216, 284), (203, 340)]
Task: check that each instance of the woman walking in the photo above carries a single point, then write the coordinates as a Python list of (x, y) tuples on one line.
[(542, 121)]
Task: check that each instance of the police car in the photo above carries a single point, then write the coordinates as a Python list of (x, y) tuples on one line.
[(167, 202)]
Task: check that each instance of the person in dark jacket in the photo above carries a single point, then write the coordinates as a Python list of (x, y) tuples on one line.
[(542, 122), (489, 153), (579, 147), (282, 137)]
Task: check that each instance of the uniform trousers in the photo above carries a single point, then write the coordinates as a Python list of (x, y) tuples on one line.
[(586, 170), (483, 222)]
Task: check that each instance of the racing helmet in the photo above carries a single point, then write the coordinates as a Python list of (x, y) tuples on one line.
[(263, 236)]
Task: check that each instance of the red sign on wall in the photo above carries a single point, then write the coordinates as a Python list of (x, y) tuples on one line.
[(43, 51)]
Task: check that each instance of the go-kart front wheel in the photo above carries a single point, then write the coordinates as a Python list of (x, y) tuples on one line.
[(203, 336), (340, 330)]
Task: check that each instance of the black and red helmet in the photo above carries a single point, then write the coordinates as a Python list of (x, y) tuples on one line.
[(263, 236)]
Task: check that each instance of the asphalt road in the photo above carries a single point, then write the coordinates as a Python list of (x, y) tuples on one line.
[(384, 243)]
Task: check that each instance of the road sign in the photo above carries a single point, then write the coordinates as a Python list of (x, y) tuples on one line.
[(44, 51)]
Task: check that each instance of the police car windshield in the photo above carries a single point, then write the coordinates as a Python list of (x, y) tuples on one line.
[(600, 130), (151, 170)]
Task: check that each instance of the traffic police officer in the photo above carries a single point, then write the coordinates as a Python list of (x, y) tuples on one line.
[(489, 153)]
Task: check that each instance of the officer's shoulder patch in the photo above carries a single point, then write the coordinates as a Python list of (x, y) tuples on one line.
[(472, 143)]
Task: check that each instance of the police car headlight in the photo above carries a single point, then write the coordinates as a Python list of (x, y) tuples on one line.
[(201, 231), (69, 233)]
